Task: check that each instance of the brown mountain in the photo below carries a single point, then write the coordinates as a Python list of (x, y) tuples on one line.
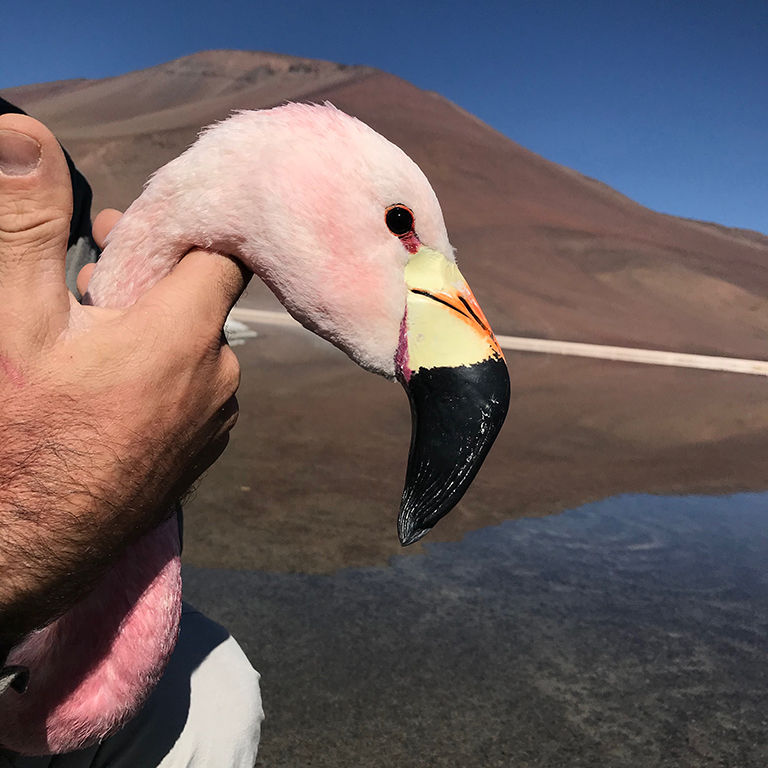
[(548, 251), (551, 252)]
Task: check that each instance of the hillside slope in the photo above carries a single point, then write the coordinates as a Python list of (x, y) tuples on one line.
[(550, 252)]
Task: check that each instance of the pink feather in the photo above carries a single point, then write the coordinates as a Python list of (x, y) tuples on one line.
[(93, 668)]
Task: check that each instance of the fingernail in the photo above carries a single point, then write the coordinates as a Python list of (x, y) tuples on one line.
[(19, 153)]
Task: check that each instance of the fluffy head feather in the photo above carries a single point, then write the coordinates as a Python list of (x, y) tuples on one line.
[(299, 194)]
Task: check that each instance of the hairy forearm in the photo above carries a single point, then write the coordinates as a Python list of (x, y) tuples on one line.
[(62, 525), (106, 415)]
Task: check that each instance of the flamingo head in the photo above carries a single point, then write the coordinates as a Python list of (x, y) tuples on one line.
[(346, 230), (348, 233)]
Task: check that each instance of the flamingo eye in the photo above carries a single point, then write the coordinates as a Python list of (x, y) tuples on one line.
[(399, 220)]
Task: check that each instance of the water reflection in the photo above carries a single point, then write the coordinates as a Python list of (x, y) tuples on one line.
[(313, 475), (628, 632)]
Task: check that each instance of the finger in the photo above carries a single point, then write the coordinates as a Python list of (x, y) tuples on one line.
[(205, 285), (228, 415), (214, 447), (102, 225), (203, 461), (35, 211), (84, 277)]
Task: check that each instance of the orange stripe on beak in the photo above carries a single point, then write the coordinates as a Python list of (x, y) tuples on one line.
[(464, 302)]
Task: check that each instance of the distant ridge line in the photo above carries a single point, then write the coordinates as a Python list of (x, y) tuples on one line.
[(568, 348)]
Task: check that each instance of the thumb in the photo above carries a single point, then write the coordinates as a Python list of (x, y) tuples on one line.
[(35, 210)]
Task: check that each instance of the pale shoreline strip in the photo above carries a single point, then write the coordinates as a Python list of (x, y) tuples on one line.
[(266, 316), (571, 348)]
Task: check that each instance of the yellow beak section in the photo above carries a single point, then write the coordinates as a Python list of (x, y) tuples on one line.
[(457, 382), (445, 325)]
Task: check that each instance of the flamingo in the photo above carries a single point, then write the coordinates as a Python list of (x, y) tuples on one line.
[(347, 232)]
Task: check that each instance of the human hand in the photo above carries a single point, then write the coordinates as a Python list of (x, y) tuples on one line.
[(102, 226), (107, 415)]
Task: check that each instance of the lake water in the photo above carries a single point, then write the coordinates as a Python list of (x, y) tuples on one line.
[(627, 632)]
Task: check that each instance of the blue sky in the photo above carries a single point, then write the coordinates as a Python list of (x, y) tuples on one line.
[(665, 101)]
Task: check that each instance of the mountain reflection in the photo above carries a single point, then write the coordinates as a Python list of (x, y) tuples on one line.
[(311, 480)]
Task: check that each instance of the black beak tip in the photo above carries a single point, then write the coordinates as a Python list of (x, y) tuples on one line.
[(409, 532), (457, 413)]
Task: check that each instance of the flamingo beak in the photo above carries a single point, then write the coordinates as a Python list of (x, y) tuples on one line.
[(457, 382)]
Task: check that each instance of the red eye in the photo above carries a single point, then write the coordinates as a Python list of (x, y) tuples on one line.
[(399, 220)]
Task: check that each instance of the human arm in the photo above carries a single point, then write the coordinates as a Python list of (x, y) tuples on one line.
[(106, 416)]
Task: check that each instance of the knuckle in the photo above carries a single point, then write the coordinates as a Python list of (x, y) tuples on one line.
[(187, 325), (27, 236), (24, 218), (229, 367), (231, 414), (26, 249)]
